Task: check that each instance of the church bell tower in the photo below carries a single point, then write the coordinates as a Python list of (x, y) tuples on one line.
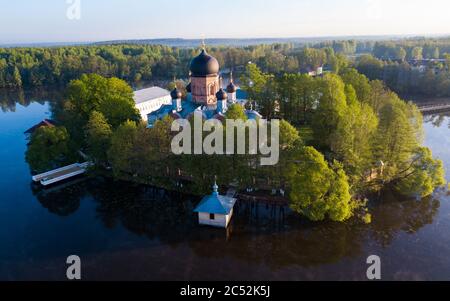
[(204, 79)]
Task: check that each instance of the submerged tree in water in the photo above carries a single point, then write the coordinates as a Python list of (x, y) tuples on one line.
[(408, 167), (318, 190), (50, 147), (423, 175)]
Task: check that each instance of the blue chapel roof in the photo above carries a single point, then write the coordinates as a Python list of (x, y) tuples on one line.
[(216, 204)]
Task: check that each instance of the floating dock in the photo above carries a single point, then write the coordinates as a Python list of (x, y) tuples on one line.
[(60, 174)]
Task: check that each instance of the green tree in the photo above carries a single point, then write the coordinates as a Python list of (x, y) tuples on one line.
[(331, 108), (401, 54), (253, 81), (98, 136), (17, 78), (370, 66), (161, 137), (121, 153), (289, 135), (3, 73), (352, 141), (447, 60), (236, 112), (318, 190), (417, 53), (139, 153), (395, 138), (436, 53), (111, 97), (407, 166), (49, 148), (359, 82), (337, 62), (423, 175), (297, 94), (311, 58)]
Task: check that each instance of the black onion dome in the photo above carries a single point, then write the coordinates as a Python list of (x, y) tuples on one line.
[(204, 65), (189, 88), (231, 88), (221, 95), (175, 94)]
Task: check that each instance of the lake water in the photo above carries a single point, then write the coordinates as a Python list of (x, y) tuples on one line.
[(128, 232)]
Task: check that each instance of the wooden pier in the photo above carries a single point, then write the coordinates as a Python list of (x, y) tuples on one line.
[(276, 204), (266, 200), (60, 174), (435, 108)]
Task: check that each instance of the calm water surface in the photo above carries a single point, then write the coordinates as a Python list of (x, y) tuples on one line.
[(128, 232)]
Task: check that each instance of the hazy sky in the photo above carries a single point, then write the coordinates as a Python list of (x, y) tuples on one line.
[(26, 21)]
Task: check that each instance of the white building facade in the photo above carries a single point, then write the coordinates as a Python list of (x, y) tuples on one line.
[(215, 220), (150, 100)]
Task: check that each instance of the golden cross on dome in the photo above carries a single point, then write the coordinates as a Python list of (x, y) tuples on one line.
[(203, 45)]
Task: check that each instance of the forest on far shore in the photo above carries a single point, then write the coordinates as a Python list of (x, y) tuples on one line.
[(417, 66)]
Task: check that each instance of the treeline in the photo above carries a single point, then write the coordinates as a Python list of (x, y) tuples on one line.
[(345, 47), (432, 79), (33, 67), (402, 49), (412, 49)]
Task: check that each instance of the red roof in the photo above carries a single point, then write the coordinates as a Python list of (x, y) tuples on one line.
[(45, 122)]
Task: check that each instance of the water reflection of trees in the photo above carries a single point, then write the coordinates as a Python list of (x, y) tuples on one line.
[(395, 215), (437, 119), (298, 244), (313, 244), (62, 200), (144, 210), (10, 98), (168, 217)]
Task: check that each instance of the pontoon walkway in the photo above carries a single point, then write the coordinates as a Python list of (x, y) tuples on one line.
[(61, 174)]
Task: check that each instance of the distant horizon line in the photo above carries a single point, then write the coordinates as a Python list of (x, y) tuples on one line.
[(319, 37)]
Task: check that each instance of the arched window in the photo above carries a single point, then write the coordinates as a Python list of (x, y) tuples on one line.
[(212, 90)]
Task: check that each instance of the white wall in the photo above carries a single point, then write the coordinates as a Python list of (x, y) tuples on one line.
[(219, 221), (232, 97), (152, 105), (229, 216)]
